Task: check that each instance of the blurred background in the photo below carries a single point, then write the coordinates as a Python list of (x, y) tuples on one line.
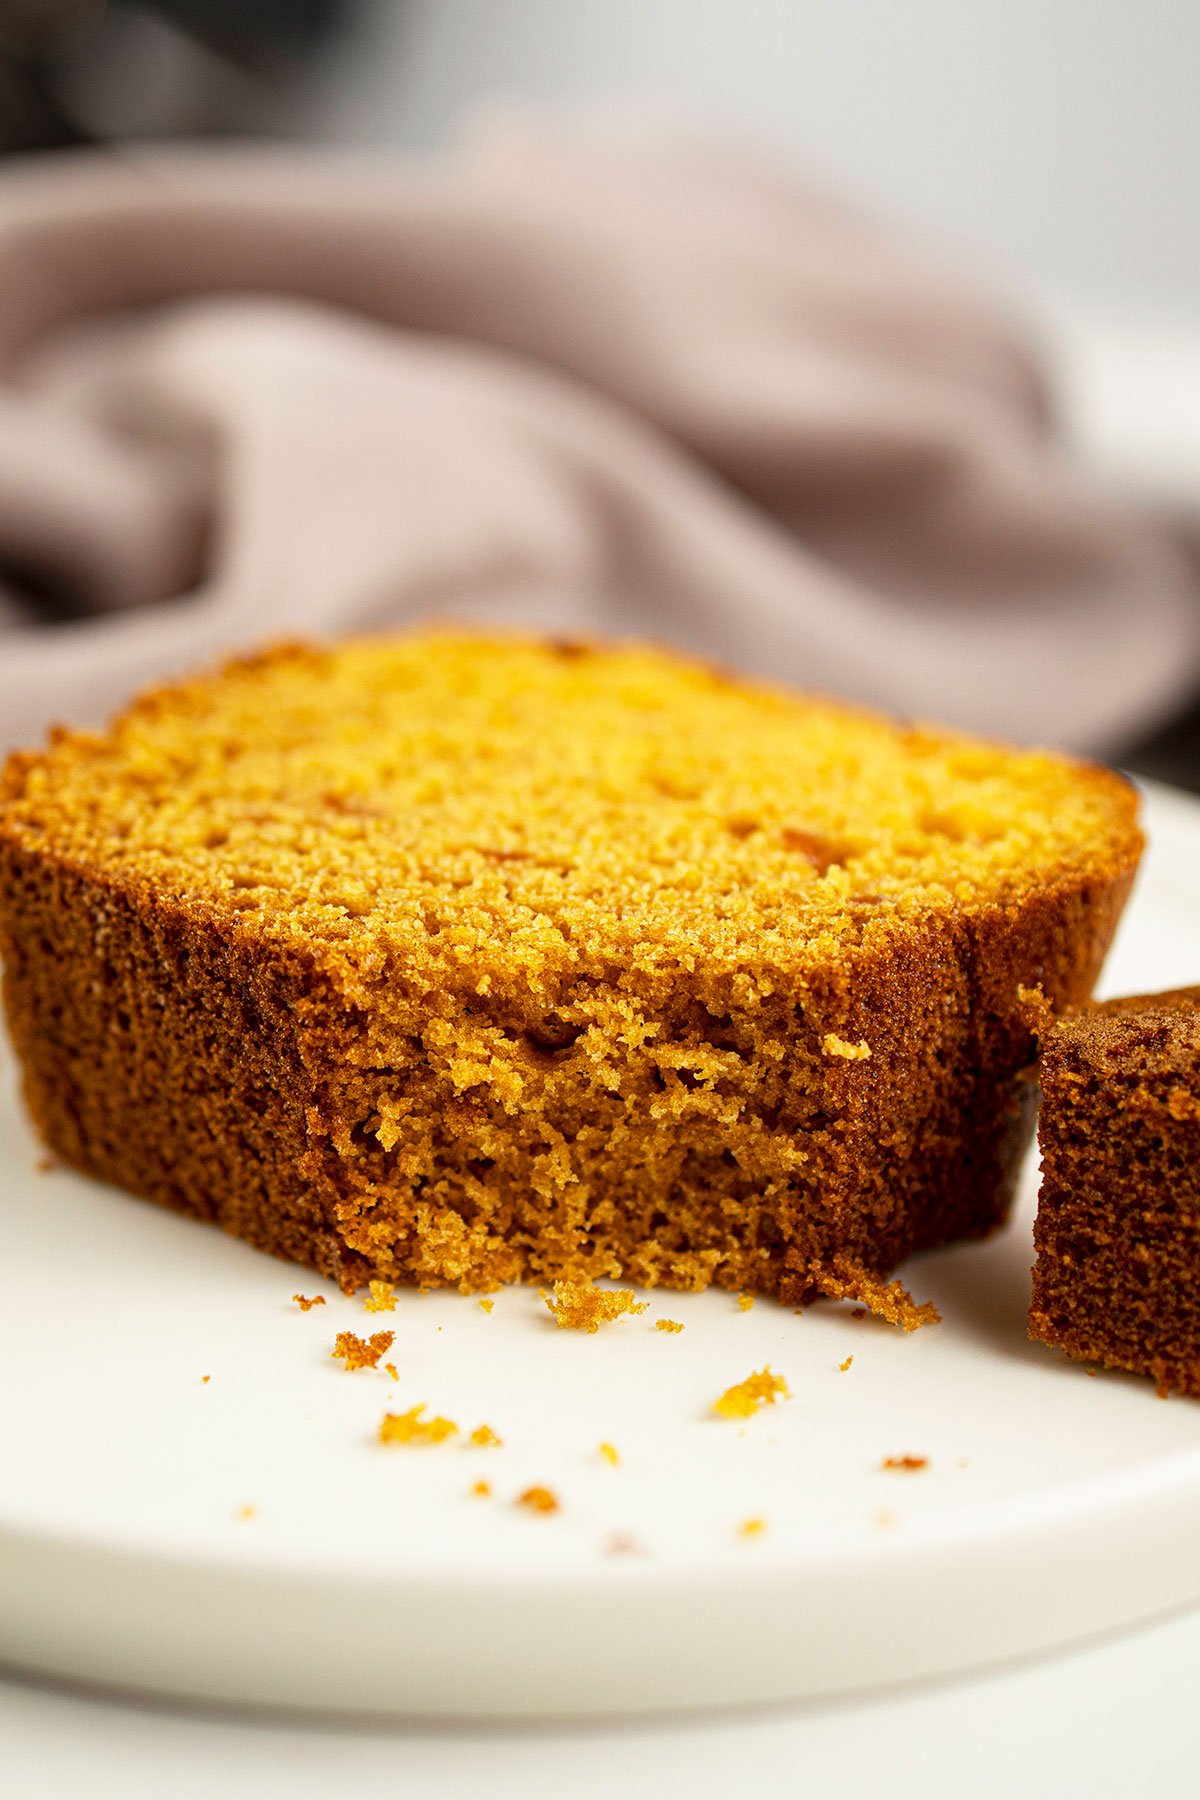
[(1053, 144), (1058, 138)]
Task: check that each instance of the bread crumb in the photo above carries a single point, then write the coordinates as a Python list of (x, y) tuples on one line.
[(481, 1489), (858, 1312), (484, 1438), (846, 1280), (206, 1378), (843, 1366), (578, 1306), (391, 1369), (486, 1305), (410, 1428), (306, 1302), (609, 1454), (745, 1302), (833, 1045), (667, 1325), (744, 1399), (752, 1528), (539, 1499), (622, 1543), (381, 1297), (246, 1513), (362, 1353), (905, 1462)]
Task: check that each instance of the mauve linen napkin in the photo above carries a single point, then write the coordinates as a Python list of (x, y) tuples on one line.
[(658, 389)]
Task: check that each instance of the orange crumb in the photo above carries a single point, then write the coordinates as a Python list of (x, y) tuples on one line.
[(667, 1325), (246, 1513), (622, 1543), (843, 1366), (539, 1499), (306, 1302), (362, 1353), (391, 1369), (206, 1378), (752, 1528), (608, 1453), (486, 1305), (744, 1399), (578, 1306), (484, 1438), (745, 1302), (905, 1462), (411, 1428), (858, 1312), (845, 1279), (481, 1489), (381, 1297)]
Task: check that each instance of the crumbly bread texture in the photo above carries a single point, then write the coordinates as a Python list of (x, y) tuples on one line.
[(454, 959), (1117, 1278)]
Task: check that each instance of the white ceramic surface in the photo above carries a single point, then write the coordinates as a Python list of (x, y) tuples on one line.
[(370, 1578)]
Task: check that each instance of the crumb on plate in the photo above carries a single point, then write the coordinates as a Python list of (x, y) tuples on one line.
[(752, 1528), (578, 1306), (742, 1400), (410, 1428), (480, 1490), (608, 1453), (486, 1305), (843, 1366), (908, 1463), (888, 1300), (306, 1302), (622, 1543), (667, 1325), (539, 1499), (484, 1438), (362, 1353)]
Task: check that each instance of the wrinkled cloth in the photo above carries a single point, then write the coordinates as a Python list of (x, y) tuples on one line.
[(658, 389)]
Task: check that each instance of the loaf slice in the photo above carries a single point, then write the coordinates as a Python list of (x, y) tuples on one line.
[(455, 959), (1117, 1277)]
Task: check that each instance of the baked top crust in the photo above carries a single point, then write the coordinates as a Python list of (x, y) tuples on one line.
[(487, 808)]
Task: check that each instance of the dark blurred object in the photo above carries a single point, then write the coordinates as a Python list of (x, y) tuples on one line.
[(82, 71), (1171, 755)]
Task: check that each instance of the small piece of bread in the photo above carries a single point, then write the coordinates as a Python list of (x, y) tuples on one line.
[(1117, 1237), (744, 1399), (578, 1306)]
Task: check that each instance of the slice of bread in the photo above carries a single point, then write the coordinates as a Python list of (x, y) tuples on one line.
[(1117, 1277), (446, 958)]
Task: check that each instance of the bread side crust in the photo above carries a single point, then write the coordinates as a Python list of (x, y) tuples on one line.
[(197, 1062)]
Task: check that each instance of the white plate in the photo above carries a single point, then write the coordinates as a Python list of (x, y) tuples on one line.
[(1053, 1505)]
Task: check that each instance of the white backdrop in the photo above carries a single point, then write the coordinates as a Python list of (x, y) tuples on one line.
[(1060, 138)]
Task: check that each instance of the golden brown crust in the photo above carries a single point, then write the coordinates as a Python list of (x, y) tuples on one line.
[(1117, 1277), (442, 960)]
